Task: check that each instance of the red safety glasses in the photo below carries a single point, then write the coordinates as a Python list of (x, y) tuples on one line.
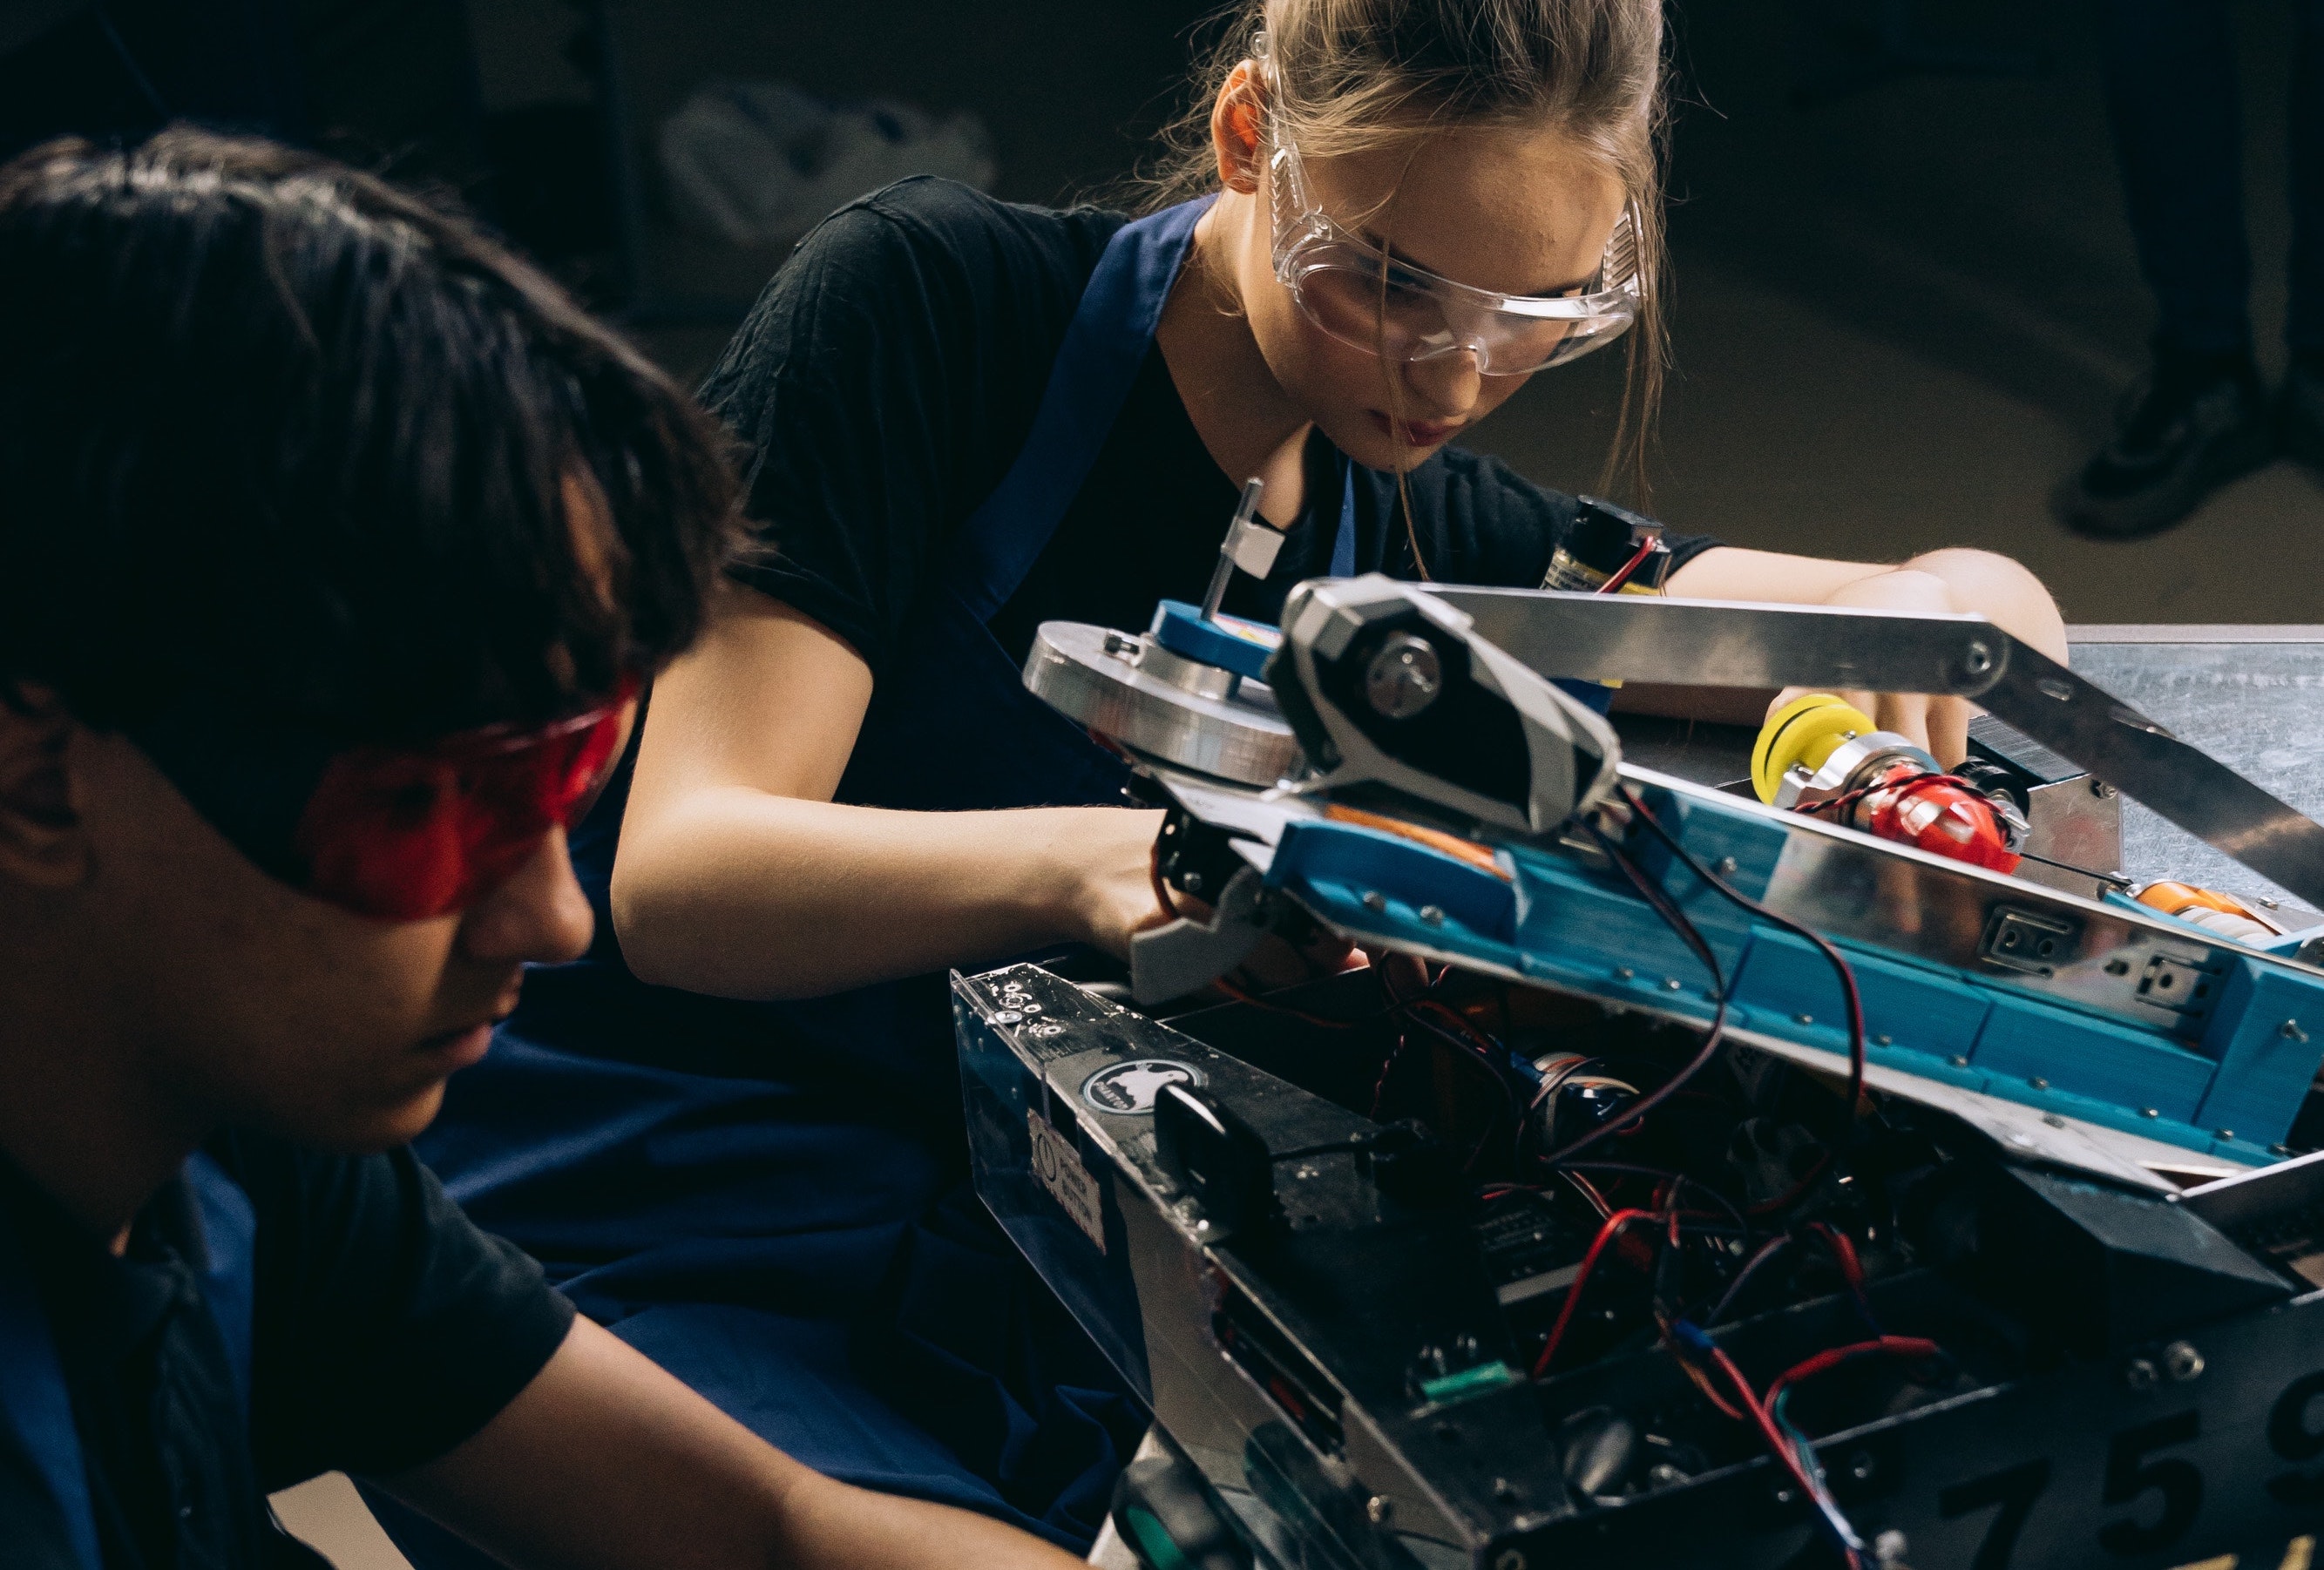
[(396, 832)]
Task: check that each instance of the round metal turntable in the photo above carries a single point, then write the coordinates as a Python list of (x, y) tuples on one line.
[(1177, 710)]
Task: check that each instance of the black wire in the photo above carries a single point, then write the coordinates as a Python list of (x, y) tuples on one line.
[(1694, 940), (1679, 1179), (137, 77), (1839, 964)]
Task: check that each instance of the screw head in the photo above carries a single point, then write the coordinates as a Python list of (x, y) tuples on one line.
[(2225, 1132), (1192, 882), (1510, 1559), (2038, 1082), (1728, 867), (1861, 1466), (1433, 915), (2141, 1374), (1977, 657), (1007, 1016), (1375, 900), (1959, 1059), (1378, 1509), (1803, 1019), (2182, 1361), (1404, 677), (2150, 1112), (1623, 973), (1883, 1041), (1671, 984)]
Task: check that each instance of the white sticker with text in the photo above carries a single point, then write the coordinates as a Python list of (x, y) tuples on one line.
[(1059, 1167)]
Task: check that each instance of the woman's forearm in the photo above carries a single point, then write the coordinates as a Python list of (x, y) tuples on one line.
[(739, 893)]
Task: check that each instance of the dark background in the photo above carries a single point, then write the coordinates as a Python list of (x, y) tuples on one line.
[(1904, 304)]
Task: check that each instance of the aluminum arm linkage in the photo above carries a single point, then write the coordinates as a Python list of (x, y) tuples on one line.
[(1724, 644)]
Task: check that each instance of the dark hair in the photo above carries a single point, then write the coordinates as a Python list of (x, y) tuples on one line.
[(277, 435)]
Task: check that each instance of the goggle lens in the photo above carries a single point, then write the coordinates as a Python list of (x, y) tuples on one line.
[(405, 834), (1403, 323)]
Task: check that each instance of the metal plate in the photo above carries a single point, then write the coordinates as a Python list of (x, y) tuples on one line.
[(1074, 667), (2255, 705)]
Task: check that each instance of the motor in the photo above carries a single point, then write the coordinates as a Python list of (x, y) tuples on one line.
[(1821, 756)]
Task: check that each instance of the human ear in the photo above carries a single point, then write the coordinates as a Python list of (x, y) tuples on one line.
[(1234, 130), (43, 842)]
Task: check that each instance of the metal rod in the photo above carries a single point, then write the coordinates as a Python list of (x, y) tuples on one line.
[(1223, 573)]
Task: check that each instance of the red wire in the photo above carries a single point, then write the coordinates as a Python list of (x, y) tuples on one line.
[(1614, 1224), (1614, 585), (1756, 1410), (1823, 1362)]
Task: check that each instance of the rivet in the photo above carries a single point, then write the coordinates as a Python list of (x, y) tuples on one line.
[(1671, 984), (1959, 1059), (2150, 1112), (2182, 1362), (1803, 1019), (1861, 1466), (2038, 1082)]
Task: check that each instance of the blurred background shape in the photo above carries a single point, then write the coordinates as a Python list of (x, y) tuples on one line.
[(1906, 298)]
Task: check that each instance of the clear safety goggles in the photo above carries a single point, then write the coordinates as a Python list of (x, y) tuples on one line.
[(1347, 287)]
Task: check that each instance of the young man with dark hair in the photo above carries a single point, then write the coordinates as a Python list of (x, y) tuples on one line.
[(334, 545)]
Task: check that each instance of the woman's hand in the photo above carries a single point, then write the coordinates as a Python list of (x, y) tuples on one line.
[(1950, 581), (1114, 900)]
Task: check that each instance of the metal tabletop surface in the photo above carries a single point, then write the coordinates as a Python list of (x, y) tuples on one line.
[(2252, 697)]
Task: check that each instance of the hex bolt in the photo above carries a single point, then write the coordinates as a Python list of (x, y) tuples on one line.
[(2100, 789), (1433, 915), (1378, 1509), (2141, 1374), (1192, 882), (2182, 1362), (1120, 645)]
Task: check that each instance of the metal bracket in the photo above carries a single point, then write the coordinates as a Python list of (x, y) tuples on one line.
[(1175, 957), (1723, 644)]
